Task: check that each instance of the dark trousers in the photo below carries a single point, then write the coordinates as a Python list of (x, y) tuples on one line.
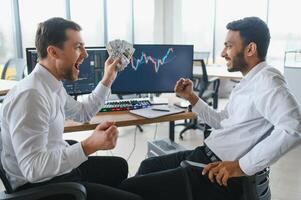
[(169, 184), (99, 175), (164, 171)]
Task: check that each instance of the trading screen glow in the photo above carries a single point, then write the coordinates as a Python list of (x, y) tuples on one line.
[(155, 69)]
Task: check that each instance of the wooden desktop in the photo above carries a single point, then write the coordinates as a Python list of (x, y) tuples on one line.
[(125, 118), (122, 118)]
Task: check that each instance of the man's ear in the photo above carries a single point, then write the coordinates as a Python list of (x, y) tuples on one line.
[(251, 49), (52, 51)]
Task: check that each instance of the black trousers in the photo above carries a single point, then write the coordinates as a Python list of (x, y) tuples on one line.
[(164, 171), (169, 184), (99, 175)]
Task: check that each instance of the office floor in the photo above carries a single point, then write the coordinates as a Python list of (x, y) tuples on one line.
[(285, 179)]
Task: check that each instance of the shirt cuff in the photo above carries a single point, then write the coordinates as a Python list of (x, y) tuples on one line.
[(102, 91), (76, 155), (199, 106), (245, 166)]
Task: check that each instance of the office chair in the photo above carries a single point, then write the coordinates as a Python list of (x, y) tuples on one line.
[(198, 55), (256, 187), (75, 190), (207, 90), (13, 70)]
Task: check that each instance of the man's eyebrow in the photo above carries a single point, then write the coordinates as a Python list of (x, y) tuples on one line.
[(227, 43), (79, 43)]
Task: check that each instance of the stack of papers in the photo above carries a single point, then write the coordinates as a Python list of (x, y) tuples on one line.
[(157, 111)]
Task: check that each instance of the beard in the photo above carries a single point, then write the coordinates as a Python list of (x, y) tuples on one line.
[(238, 63), (69, 75)]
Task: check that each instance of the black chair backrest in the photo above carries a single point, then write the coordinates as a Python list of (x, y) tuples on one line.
[(202, 83), (204, 55), (3, 177), (4, 180), (18, 64), (256, 187)]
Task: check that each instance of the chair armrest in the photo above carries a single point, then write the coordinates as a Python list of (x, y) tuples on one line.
[(75, 189)]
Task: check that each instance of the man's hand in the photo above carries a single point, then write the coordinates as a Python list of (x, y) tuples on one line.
[(110, 72), (222, 171), (104, 137), (184, 88)]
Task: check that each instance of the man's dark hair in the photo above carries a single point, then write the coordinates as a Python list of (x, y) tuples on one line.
[(53, 32), (253, 29)]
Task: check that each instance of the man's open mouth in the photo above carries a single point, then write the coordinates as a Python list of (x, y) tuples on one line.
[(76, 66)]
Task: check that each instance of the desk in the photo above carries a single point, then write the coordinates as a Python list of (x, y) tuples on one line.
[(124, 118), (5, 86), (219, 71)]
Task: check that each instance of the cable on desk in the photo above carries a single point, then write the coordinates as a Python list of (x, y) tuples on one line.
[(134, 145)]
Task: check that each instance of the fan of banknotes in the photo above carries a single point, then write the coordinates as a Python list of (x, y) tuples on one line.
[(121, 49)]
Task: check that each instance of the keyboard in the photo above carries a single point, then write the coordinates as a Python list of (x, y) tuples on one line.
[(127, 104), (166, 146)]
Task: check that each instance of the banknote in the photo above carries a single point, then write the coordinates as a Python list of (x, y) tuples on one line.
[(121, 49)]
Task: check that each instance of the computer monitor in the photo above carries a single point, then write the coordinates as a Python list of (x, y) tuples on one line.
[(155, 69), (91, 70)]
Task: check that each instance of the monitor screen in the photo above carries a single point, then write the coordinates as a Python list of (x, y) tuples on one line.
[(91, 70), (155, 69)]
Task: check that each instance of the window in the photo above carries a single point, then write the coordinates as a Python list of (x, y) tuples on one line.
[(6, 32), (227, 11), (119, 22), (285, 33), (197, 24), (33, 12), (144, 12), (89, 15)]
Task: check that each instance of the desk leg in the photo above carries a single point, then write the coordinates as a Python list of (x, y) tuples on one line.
[(172, 131)]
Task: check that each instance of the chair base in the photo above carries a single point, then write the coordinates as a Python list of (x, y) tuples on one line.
[(193, 124)]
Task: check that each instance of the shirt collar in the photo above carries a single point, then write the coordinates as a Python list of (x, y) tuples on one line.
[(254, 71), (54, 84)]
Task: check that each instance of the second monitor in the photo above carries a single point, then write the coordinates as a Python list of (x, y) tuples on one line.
[(155, 69), (91, 70)]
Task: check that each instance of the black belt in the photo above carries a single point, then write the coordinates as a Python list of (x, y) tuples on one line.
[(210, 154)]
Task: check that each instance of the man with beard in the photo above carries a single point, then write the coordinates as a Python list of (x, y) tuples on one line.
[(260, 123), (33, 114)]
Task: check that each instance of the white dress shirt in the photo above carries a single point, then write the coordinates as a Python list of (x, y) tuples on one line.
[(32, 117), (260, 123)]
